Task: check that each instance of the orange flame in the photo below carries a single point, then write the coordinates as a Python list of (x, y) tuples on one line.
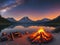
[(41, 30), (41, 34)]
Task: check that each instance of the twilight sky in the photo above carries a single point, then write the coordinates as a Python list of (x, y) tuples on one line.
[(34, 9)]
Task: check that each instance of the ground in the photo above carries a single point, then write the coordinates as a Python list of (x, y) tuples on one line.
[(24, 41)]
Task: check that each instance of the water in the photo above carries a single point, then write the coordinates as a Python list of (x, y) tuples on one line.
[(22, 29)]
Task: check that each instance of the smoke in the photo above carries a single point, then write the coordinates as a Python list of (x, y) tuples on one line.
[(7, 7)]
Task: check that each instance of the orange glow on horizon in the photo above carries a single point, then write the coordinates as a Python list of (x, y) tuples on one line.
[(35, 15), (39, 17), (51, 16)]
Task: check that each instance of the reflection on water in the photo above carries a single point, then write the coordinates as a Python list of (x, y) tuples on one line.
[(3, 27), (21, 28)]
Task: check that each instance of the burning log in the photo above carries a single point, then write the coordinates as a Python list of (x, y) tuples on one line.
[(41, 36)]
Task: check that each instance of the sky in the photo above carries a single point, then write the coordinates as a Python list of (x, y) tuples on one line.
[(34, 9)]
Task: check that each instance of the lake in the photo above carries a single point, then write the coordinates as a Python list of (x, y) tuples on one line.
[(22, 29)]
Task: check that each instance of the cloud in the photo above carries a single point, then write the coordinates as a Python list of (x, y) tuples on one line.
[(10, 5)]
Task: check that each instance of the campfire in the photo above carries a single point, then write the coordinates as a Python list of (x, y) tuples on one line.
[(41, 36)]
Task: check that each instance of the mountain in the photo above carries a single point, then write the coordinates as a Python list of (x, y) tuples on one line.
[(4, 21), (54, 22), (45, 20), (25, 20), (11, 19), (42, 21), (28, 20)]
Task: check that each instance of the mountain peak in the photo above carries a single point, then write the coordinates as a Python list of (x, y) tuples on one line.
[(25, 17), (25, 20), (11, 19), (45, 19)]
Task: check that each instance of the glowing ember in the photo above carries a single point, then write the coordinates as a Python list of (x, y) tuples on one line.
[(41, 36)]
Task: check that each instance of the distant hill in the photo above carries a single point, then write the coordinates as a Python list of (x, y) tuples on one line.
[(54, 22), (28, 20), (4, 21), (11, 19), (45, 20)]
